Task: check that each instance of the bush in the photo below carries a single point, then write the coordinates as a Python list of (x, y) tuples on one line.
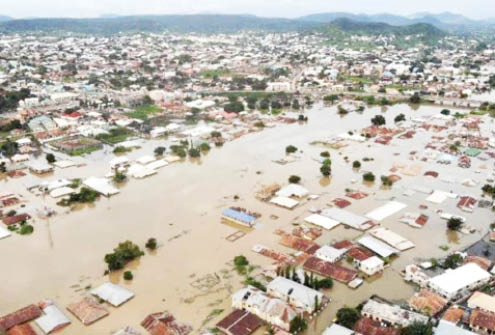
[(123, 254), (193, 152), (50, 158), (418, 328), (128, 275), (325, 154), (215, 134), (445, 112), (326, 170), (369, 176), (378, 120), (119, 177), (356, 164), (294, 179), (348, 317), (120, 149), (454, 223), (290, 149), (204, 147), (415, 99), (151, 243), (159, 151), (26, 229), (452, 261), (240, 261), (399, 118), (386, 181)]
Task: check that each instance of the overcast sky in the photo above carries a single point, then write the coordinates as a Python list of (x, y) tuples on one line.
[(274, 8)]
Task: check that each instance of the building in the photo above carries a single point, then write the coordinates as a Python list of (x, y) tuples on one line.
[(330, 254), (296, 294), (392, 314), (336, 329), (449, 328), (459, 282), (238, 217), (372, 266), (482, 301)]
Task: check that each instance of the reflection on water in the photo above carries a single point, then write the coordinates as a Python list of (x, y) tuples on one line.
[(325, 181), (452, 236)]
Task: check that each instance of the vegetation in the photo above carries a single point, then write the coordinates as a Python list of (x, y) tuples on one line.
[(356, 164), (85, 195), (122, 254), (290, 149), (399, 118), (26, 229), (489, 189), (294, 179), (418, 328), (347, 317), (240, 263), (204, 146), (194, 153), (9, 100), (128, 275), (144, 111), (445, 112), (119, 177), (452, 261), (50, 158), (325, 154), (151, 243), (454, 223), (369, 177), (386, 181), (159, 151), (255, 283), (121, 149), (415, 98), (115, 136), (298, 325), (378, 120), (331, 98), (326, 167)]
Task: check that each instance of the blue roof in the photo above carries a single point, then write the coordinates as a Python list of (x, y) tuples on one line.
[(238, 215)]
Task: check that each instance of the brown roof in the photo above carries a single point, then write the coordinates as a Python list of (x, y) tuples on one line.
[(482, 262), (24, 329), (454, 314), (10, 220), (482, 319), (359, 254), (240, 322), (343, 244), (87, 310), (298, 243), (21, 316), (427, 301), (330, 270), (164, 324), (367, 326), (341, 203)]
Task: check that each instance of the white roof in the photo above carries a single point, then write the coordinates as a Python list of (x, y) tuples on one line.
[(377, 246), (113, 294), (372, 262), (391, 238), (52, 318), (292, 190), (382, 212), (328, 253), (139, 171), (64, 164), (336, 329), (146, 159), (451, 281), (100, 185), (438, 197), (483, 301), (62, 191), (284, 202), (156, 164), (348, 218), (298, 292), (322, 221), (119, 161), (54, 184), (4, 232), (448, 328)]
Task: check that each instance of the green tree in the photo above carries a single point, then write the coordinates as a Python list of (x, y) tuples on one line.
[(348, 317), (290, 149), (415, 98), (454, 223), (193, 152), (418, 328), (356, 164), (294, 179), (369, 176), (452, 261), (298, 324), (399, 118), (378, 120), (159, 151), (50, 158), (128, 275), (151, 243)]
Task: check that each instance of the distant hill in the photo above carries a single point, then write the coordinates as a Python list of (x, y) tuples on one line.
[(150, 23), (4, 18)]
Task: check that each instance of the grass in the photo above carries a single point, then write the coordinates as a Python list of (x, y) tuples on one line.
[(144, 111), (215, 73), (85, 151), (116, 135)]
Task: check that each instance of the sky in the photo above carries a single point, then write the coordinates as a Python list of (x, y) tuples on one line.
[(477, 9)]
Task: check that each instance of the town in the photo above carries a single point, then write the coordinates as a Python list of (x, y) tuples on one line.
[(255, 182)]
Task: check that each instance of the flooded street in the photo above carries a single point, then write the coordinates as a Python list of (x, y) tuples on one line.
[(181, 206)]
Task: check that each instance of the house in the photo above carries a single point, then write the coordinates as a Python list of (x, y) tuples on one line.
[(53, 319), (392, 314), (20, 316), (330, 270), (448, 328), (481, 321), (459, 282), (164, 323), (427, 302), (87, 310), (296, 294), (330, 254), (239, 322), (237, 216), (114, 294), (336, 329), (372, 266), (292, 190), (40, 167), (482, 301), (273, 310)]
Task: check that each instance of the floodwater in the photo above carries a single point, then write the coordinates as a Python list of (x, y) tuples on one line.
[(191, 273)]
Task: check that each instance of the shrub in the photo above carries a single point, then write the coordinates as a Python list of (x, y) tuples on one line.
[(193, 152), (325, 154), (294, 179), (204, 147), (151, 243), (26, 229), (356, 164), (290, 149), (326, 170), (50, 158), (128, 275), (159, 151), (369, 176), (124, 253)]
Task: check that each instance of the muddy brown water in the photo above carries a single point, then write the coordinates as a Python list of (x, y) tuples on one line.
[(181, 205)]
